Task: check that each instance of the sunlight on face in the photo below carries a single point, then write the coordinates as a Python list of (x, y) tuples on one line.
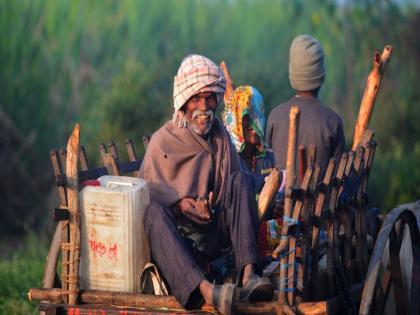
[(200, 110)]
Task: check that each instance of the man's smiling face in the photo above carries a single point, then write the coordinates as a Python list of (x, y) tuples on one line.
[(200, 110)]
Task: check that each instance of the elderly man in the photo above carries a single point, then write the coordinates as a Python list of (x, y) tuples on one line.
[(318, 124), (190, 160)]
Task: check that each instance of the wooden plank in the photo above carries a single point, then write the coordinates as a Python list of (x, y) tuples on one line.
[(400, 295), (112, 148), (102, 151), (332, 228), (311, 154), (132, 156), (73, 206), (360, 220), (83, 159), (290, 182), (58, 173), (58, 167), (346, 217), (302, 160), (111, 164), (290, 266), (303, 255), (63, 158), (320, 203)]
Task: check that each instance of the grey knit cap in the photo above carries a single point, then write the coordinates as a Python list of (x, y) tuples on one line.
[(306, 63)]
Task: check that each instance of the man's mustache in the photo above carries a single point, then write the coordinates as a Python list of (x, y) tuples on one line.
[(197, 112)]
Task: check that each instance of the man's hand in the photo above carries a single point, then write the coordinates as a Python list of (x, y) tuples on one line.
[(186, 206)]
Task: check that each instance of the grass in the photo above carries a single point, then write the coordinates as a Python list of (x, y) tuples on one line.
[(21, 268)]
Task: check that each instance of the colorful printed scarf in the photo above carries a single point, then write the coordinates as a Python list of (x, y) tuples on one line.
[(246, 100)]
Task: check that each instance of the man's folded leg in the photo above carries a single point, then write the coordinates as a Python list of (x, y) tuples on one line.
[(170, 253)]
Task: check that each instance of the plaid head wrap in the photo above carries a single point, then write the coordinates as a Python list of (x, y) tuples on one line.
[(245, 100), (196, 74)]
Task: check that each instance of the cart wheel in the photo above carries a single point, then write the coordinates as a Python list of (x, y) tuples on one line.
[(393, 278)]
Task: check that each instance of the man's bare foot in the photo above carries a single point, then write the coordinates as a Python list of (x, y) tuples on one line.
[(248, 271), (206, 290)]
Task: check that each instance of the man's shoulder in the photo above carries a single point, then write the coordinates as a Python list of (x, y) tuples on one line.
[(280, 109), (162, 133), (330, 113)]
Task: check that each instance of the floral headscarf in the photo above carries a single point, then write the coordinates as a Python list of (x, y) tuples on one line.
[(246, 100)]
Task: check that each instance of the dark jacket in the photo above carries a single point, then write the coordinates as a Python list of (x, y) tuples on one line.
[(318, 125)]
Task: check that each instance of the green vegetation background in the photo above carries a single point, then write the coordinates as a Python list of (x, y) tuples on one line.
[(110, 64)]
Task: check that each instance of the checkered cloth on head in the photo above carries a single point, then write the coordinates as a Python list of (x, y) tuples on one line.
[(196, 74)]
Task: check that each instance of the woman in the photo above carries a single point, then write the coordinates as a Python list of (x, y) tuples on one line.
[(244, 118)]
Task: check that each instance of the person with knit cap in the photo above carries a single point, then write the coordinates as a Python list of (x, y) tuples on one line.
[(200, 201), (318, 124)]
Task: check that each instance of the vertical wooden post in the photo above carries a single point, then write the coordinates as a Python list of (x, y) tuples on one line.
[(288, 205), (371, 91), (102, 150), (132, 156), (332, 258), (347, 223), (291, 157), (83, 159), (111, 164), (230, 87), (292, 240), (321, 200), (73, 206), (113, 150), (302, 160), (360, 220)]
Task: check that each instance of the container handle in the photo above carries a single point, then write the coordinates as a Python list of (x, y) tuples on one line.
[(114, 183)]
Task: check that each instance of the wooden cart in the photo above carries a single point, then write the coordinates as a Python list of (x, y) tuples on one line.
[(328, 268)]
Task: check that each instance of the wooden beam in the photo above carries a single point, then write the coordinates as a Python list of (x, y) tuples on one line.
[(371, 91), (73, 206)]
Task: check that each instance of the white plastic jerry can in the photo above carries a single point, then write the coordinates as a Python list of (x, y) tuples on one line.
[(114, 247)]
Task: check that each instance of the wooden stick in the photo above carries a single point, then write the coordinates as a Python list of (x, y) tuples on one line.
[(289, 267), (302, 160), (291, 158), (290, 183), (268, 192), (149, 301), (110, 162), (230, 87), (52, 258), (83, 159), (108, 297), (371, 91), (58, 167), (73, 206)]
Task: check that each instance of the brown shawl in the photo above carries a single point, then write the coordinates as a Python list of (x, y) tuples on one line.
[(179, 163)]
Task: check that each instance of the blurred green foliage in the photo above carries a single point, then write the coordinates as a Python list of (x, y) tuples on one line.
[(19, 272), (110, 65)]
